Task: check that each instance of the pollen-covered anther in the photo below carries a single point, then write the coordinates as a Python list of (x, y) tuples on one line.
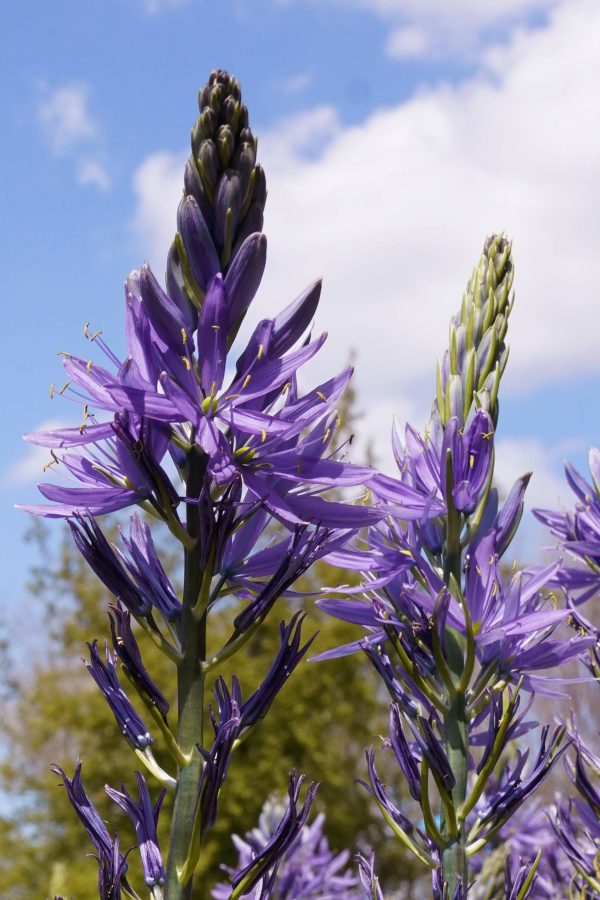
[(86, 330), (209, 404), (471, 460), (64, 387), (95, 335), (52, 386), (263, 435), (88, 366), (244, 452), (327, 435), (53, 462), (321, 396), (188, 364), (246, 381), (184, 336)]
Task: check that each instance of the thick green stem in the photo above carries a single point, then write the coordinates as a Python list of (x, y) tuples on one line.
[(190, 694), (456, 721), (454, 857)]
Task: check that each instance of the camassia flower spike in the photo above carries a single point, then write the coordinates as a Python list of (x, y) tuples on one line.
[(203, 429)]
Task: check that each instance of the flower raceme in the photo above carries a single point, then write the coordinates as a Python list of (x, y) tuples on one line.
[(207, 431)]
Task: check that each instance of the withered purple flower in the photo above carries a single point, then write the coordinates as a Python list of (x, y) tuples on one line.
[(105, 676), (112, 866), (144, 817)]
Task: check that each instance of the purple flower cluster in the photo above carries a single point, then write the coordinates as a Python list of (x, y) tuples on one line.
[(212, 436), (455, 639), (307, 869), (204, 427)]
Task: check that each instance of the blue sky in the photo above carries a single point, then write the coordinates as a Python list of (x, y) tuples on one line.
[(396, 134)]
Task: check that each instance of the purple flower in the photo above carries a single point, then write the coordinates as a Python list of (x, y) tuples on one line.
[(126, 648), (421, 494), (144, 817), (147, 571), (103, 561), (227, 728), (308, 869), (514, 786), (105, 676), (111, 863), (368, 878), (289, 655), (266, 860)]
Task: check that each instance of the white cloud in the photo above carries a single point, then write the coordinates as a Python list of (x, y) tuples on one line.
[(443, 29), (65, 117), (295, 84), (157, 185), (410, 42), (393, 212), (156, 7), (515, 457), (71, 131), (29, 468), (92, 172)]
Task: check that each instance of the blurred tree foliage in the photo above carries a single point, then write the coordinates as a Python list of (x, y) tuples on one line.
[(321, 723)]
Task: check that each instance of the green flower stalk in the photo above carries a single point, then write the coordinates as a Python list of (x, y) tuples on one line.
[(470, 372)]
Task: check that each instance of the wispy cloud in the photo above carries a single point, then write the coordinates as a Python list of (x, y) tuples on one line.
[(29, 468), (420, 28), (156, 7), (65, 117), (71, 131), (295, 84), (92, 172)]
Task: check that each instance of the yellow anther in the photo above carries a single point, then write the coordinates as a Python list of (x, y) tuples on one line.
[(246, 381), (476, 628), (478, 570), (85, 411), (89, 365), (216, 327), (471, 460), (495, 589), (232, 396), (299, 466), (82, 427), (245, 451), (52, 386), (260, 351), (64, 387), (95, 335), (366, 497), (53, 462), (406, 552), (184, 336), (338, 422), (514, 565), (286, 387), (188, 364), (263, 435), (321, 396), (86, 330), (491, 560), (486, 435), (326, 435)]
